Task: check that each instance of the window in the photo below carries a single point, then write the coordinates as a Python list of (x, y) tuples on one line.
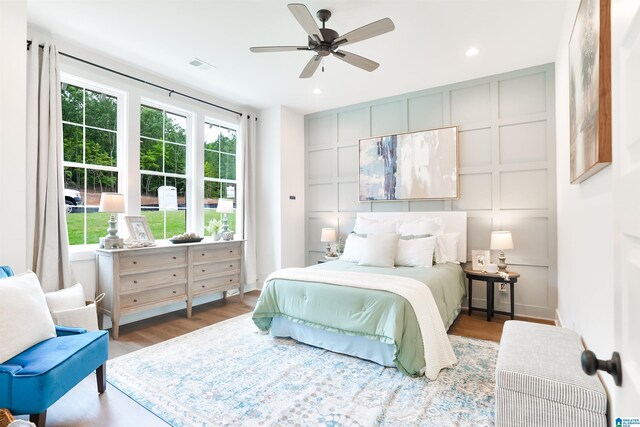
[(163, 166), (219, 170), (90, 134)]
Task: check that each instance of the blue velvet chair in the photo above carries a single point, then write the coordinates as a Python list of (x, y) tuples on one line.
[(35, 379)]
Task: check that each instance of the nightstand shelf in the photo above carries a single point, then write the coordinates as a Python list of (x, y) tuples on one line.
[(490, 279)]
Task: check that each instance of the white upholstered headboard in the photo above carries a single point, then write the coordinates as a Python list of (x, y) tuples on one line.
[(451, 221)]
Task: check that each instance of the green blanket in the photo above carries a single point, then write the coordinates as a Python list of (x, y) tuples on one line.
[(379, 315)]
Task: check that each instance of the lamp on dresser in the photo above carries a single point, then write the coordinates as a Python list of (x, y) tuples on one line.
[(501, 240), (112, 203), (225, 206)]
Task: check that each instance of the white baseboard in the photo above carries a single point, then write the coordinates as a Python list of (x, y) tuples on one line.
[(558, 319)]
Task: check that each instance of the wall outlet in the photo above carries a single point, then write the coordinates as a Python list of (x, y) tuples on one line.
[(503, 287)]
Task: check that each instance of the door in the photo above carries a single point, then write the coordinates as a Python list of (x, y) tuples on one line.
[(625, 76)]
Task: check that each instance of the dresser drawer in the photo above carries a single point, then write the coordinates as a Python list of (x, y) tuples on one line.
[(140, 260), (131, 282), (216, 268), (219, 251), (151, 296), (216, 283)]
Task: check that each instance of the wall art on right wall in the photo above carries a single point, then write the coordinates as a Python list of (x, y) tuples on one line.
[(590, 90)]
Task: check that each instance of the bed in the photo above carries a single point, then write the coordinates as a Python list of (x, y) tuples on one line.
[(382, 314)]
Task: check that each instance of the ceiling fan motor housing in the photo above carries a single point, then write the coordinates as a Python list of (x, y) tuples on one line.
[(323, 48)]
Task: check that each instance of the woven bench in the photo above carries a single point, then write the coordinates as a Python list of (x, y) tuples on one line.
[(539, 380)]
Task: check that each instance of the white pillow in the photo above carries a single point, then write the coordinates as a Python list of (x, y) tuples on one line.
[(371, 226), (66, 299), (380, 250), (353, 247), (24, 316), (431, 226), (447, 248), (416, 252)]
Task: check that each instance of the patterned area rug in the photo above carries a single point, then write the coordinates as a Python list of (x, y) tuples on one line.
[(229, 374)]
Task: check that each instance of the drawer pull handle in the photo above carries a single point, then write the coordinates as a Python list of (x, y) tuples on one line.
[(231, 280), (174, 274), (231, 265), (174, 292), (135, 300), (202, 254), (174, 257), (135, 281), (203, 286), (135, 262), (230, 252), (203, 271)]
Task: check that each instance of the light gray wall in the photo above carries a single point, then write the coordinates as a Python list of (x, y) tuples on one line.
[(507, 170)]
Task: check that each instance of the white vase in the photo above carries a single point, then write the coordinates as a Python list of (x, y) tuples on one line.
[(215, 236)]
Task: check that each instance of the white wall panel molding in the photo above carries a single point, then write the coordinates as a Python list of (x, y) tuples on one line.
[(506, 127)]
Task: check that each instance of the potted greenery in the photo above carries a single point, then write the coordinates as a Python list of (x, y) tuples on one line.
[(214, 229)]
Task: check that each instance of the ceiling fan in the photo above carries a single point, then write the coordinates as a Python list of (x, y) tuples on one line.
[(325, 41)]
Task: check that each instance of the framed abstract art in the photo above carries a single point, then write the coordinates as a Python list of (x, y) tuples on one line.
[(409, 166), (590, 90)]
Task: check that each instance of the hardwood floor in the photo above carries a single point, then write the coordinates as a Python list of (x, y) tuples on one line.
[(83, 407)]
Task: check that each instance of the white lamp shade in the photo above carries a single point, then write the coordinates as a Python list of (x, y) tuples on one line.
[(328, 235), (225, 206), (112, 203), (501, 240)]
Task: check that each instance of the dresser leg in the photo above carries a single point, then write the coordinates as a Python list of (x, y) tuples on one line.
[(189, 309), (115, 329), (224, 294)]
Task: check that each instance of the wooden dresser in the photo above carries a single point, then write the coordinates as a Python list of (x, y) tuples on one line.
[(140, 279)]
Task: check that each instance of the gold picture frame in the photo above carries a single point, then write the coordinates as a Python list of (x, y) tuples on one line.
[(590, 90)]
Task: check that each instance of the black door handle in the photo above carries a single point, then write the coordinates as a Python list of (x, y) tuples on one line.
[(591, 364)]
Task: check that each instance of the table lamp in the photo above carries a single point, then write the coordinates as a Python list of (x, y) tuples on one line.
[(328, 236), (225, 206), (112, 203), (501, 240)]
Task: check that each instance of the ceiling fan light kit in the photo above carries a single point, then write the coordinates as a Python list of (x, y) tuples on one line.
[(325, 41)]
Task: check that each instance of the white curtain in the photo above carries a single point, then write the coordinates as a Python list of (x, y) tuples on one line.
[(47, 240), (246, 193)]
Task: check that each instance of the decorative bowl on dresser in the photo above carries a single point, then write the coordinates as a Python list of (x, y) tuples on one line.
[(144, 278)]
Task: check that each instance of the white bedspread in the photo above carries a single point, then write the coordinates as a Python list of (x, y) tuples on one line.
[(438, 353)]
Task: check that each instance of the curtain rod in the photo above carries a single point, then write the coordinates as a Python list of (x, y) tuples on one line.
[(171, 91)]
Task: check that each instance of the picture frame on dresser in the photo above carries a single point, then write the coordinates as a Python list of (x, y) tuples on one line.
[(479, 259), (139, 230)]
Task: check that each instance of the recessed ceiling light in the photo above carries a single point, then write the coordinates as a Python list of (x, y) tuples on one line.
[(316, 91), (472, 51), (201, 65)]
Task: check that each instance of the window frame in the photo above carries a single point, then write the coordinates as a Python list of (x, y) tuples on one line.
[(121, 124), (189, 142)]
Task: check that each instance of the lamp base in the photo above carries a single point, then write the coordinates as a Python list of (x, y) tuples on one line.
[(502, 264), (111, 243)]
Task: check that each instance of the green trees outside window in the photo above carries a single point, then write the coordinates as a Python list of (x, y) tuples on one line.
[(89, 126), (163, 162), (219, 170)]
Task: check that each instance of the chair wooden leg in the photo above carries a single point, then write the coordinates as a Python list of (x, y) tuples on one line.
[(101, 376), (38, 419)]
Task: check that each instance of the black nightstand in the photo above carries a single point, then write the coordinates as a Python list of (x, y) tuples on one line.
[(490, 280)]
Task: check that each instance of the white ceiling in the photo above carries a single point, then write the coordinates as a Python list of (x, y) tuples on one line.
[(427, 48)]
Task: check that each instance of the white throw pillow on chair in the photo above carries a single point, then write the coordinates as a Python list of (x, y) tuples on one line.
[(24, 316), (66, 299)]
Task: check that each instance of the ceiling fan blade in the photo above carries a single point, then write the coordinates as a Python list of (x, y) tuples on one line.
[(370, 30), (262, 49), (357, 60), (304, 17), (311, 67)]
